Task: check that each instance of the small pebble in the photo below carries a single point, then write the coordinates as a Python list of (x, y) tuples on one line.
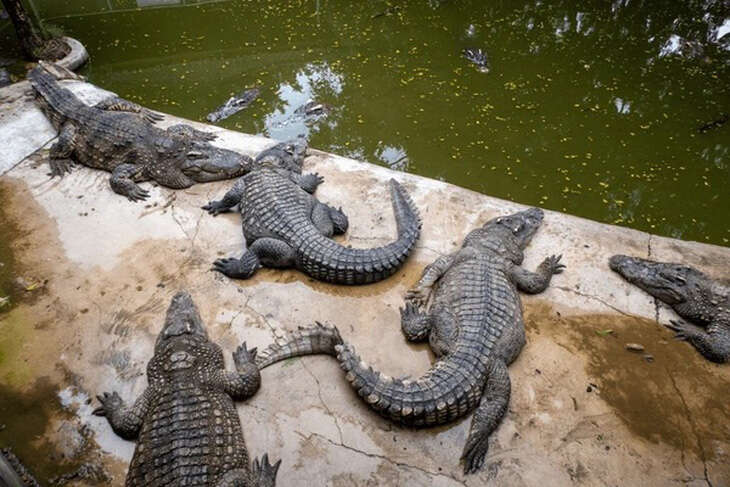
[(634, 347), (648, 357)]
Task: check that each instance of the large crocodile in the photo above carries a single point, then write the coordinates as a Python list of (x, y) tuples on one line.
[(286, 226), (186, 425), (474, 326), (120, 137), (692, 294)]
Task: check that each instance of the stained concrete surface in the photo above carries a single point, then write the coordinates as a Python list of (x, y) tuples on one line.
[(584, 411)]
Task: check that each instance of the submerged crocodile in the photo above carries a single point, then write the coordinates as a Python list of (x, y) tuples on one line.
[(474, 326), (119, 136), (284, 225), (692, 294), (186, 425), (477, 57), (233, 105)]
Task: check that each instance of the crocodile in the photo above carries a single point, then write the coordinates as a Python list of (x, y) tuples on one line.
[(284, 225), (478, 58), (693, 295), (186, 425), (120, 137), (474, 326), (233, 105)]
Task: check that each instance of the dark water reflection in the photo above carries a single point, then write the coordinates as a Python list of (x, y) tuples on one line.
[(593, 108)]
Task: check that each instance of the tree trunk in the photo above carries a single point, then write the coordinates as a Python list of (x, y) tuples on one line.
[(28, 35)]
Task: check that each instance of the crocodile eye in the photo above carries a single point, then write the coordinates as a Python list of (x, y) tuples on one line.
[(499, 220)]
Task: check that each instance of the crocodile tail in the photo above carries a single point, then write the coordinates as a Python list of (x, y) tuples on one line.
[(311, 340), (437, 397), (329, 261), (59, 98)]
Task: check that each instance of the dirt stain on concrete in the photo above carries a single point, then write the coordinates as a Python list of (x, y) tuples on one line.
[(668, 393)]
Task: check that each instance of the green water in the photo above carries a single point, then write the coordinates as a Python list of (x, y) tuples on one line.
[(592, 108)]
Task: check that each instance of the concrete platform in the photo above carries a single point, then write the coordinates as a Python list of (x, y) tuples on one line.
[(584, 411)]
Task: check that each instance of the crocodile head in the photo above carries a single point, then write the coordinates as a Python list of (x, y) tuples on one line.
[(507, 235), (181, 338), (671, 283), (288, 155), (204, 162)]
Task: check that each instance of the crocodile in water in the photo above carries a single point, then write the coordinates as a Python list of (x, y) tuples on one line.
[(185, 423), (474, 326)]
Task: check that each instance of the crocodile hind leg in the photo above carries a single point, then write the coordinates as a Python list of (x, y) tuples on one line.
[(713, 344), (444, 331), (415, 324), (123, 182), (269, 252), (328, 220), (117, 104), (491, 410), (60, 154)]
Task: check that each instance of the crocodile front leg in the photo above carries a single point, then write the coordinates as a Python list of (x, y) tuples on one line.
[(713, 344), (231, 199), (117, 104), (491, 410), (537, 282), (125, 421), (60, 154), (123, 182), (243, 383), (308, 182)]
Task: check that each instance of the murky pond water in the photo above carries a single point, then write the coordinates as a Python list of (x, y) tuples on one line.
[(593, 108)]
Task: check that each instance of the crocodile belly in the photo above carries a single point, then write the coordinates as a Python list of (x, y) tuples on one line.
[(190, 437)]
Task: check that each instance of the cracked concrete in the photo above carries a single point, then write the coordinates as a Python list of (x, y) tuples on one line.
[(584, 411)]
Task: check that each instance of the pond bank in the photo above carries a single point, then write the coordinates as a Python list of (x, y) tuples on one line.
[(584, 411)]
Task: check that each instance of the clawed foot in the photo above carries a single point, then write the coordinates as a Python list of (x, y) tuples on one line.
[(242, 268), (418, 295), (136, 193), (553, 264), (150, 116), (683, 330), (410, 310), (215, 207), (243, 356), (109, 404), (59, 167), (264, 473), (475, 451)]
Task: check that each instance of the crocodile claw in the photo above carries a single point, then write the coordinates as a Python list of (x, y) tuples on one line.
[(264, 473), (215, 207), (244, 355), (553, 263), (475, 451), (109, 402), (59, 167), (137, 194)]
